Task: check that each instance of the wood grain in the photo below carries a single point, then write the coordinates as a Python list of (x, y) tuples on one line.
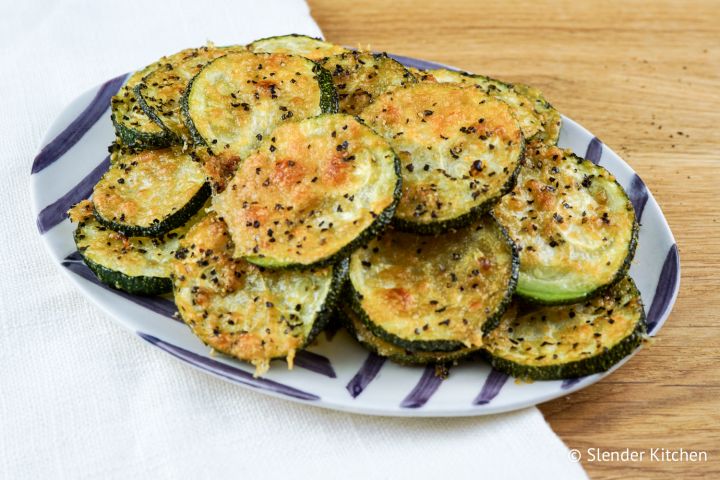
[(645, 77)]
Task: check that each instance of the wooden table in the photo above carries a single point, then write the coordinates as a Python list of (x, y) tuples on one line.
[(644, 77)]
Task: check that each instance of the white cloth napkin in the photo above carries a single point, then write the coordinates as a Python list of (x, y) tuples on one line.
[(81, 397)]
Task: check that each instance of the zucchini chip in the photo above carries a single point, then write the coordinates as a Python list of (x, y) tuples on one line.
[(246, 311), (237, 100), (573, 223), (538, 120), (294, 44), (551, 343), (150, 193), (312, 192), (137, 265), (359, 77), (441, 293), (549, 117), (133, 127), (159, 95), (459, 150), (377, 345)]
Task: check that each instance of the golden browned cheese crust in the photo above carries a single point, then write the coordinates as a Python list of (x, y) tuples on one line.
[(546, 336), (132, 256), (239, 309), (458, 147), (80, 211), (310, 188), (549, 117), (149, 187), (422, 288), (360, 77), (530, 121), (572, 222), (238, 99)]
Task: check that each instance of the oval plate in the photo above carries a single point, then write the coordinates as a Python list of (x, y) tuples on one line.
[(336, 372)]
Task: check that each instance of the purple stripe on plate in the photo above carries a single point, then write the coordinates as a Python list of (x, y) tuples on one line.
[(638, 194), (594, 151), (315, 363), (569, 382), (369, 369), (665, 288), (417, 63), (427, 385), (56, 212), (79, 127), (227, 371), (73, 262), (159, 305), (492, 386)]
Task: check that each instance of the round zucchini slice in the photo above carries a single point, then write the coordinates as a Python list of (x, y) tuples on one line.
[(552, 343), (246, 311), (133, 127), (573, 223), (442, 293), (538, 120), (459, 151), (312, 192), (237, 100), (294, 44), (137, 265), (359, 77), (160, 92), (377, 345), (150, 193), (550, 118)]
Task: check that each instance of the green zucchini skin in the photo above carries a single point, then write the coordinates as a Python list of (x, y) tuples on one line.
[(137, 265), (195, 137), (354, 298), (579, 368), (340, 271), (438, 228), (138, 140), (133, 128), (150, 111), (163, 226), (136, 285), (359, 330), (149, 193), (621, 273), (443, 346), (329, 102), (160, 91)]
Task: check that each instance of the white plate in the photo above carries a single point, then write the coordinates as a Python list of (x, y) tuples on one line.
[(336, 373)]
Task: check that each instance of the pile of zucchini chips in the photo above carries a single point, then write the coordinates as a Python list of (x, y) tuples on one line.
[(274, 187)]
